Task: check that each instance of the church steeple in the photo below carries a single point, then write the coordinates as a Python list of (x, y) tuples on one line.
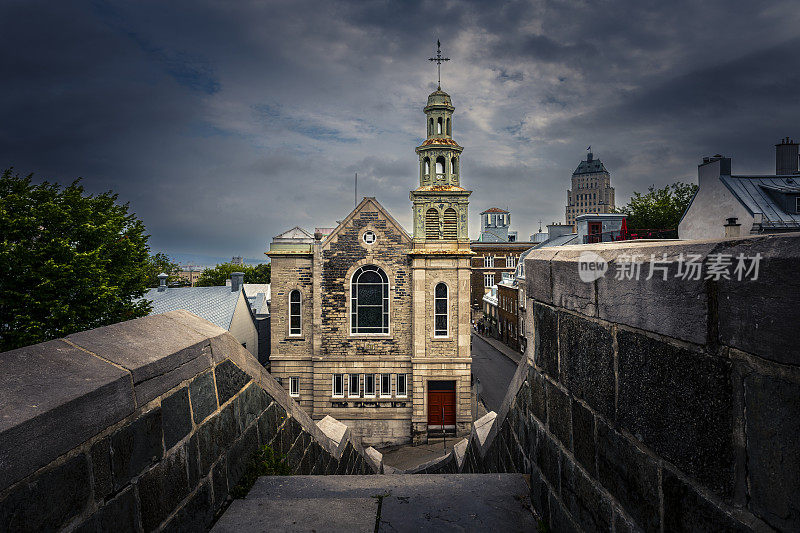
[(440, 204)]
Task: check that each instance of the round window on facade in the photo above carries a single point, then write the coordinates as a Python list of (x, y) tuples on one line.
[(370, 237)]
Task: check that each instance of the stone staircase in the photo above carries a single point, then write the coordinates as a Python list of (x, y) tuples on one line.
[(406, 502)]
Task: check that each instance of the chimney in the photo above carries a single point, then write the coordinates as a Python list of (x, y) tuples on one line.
[(786, 157), (162, 282), (237, 280), (732, 229)]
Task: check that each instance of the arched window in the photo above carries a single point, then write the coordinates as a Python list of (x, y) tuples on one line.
[(450, 224), (295, 313), (427, 166), (449, 130), (432, 224), (453, 166), (439, 125), (430, 127), (369, 301), (440, 310), (440, 165)]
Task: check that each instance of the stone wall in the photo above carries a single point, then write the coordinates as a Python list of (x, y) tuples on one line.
[(655, 405), (147, 425)]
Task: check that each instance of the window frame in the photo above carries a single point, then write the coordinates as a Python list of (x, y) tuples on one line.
[(382, 393), (405, 386), (299, 331), (386, 302), (488, 261), (436, 314), (486, 278), (333, 385), (511, 261), (374, 390), (294, 386), (350, 384)]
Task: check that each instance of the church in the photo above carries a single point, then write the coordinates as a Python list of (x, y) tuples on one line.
[(371, 324)]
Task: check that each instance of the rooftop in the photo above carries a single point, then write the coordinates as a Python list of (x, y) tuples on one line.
[(494, 210), (215, 304), (590, 166), (760, 194)]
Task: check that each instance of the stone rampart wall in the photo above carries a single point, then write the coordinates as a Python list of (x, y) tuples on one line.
[(147, 425), (655, 405)]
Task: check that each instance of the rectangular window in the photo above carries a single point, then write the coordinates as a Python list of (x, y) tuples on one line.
[(511, 261), (338, 386), (797, 204), (488, 261), (488, 280), (440, 311), (369, 385), (354, 389), (294, 386), (402, 385), (295, 318), (386, 385)]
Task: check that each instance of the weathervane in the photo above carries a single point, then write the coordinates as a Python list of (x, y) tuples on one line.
[(439, 60)]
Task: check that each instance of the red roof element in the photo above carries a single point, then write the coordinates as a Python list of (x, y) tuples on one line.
[(448, 142), (494, 210)]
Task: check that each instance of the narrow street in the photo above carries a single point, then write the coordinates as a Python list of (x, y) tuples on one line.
[(493, 369)]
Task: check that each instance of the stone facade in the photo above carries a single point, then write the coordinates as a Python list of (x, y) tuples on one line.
[(327, 353), (591, 190)]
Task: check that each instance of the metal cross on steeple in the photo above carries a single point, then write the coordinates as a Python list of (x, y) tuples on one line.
[(439, 60)]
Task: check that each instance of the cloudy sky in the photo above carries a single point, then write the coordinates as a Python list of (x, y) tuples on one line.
[(225, 123)]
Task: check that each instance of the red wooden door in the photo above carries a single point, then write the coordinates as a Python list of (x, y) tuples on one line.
[(595, 232), (441, 403)]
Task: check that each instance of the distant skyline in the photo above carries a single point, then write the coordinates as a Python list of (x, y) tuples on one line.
[(225, 124)]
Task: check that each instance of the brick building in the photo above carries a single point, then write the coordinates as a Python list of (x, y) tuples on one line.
[(490, 261), (508, 312), (370, 324)]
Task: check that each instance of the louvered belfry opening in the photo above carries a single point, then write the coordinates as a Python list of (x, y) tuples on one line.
[(450, 224), (432, 224)]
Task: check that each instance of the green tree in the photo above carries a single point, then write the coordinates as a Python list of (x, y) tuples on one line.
[(158, 263), (658, 208), (70, 261), (218, 275)]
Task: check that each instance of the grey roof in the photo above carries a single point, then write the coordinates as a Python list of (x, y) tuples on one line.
[(590, 166), (754, 193), (258, 296), (561, 240), (215, 304)]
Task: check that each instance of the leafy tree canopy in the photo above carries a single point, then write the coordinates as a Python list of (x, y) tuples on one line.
[(218, 275), (158, 263), (658, 208), (70, 261)]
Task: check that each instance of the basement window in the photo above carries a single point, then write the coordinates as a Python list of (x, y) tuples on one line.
[(294, 386)]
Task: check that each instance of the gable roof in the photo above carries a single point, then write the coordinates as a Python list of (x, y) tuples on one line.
[(755, 193), (494, 210), (215, 304), (367, 201), (294, 234), (258, 296)]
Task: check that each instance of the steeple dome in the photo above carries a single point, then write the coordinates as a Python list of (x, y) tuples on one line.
[(439, 99)]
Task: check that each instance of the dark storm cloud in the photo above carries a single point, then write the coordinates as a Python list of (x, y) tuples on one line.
[(224, 124)]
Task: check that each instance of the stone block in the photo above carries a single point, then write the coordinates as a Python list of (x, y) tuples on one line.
[(240, 454), (287, 435), (559, 519), (560, 421), (753, 313), (630, 475), (569, 291), (120, 514), (249, 405), (136, 446), (772, 410), (162, 488), (545, 343), (538, 281), (219, 477), (680, 404), (583, 437), (204, 396), (622, 524), (57, 396), (154, 348), (215, 435), (538, 396), (193, 461), (100, 455), (547, 458), (653, 304), (269, 422), (230, 380), (540, 495), (686, 510), (195, 515), (584, 501), (587, 361), (177, 417), (50, 500)]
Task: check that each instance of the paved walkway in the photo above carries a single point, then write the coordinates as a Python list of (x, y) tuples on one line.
[(499, 346), (410, 502), (409, 456)]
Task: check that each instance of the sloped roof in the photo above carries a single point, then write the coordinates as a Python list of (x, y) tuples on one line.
[(215, 304), (561, 240), (367, 201), (494, 210), (258, 296), (590, 166), (756, 194), (294, 234)]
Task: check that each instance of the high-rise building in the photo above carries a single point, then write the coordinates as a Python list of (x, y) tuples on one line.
[(591, 190)]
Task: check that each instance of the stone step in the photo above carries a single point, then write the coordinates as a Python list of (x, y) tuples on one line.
[(411, 502)]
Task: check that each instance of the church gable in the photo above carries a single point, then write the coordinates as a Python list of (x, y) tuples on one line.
[(369, 205)]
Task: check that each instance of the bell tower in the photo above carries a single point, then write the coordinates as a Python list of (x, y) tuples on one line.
[(440, 271)]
